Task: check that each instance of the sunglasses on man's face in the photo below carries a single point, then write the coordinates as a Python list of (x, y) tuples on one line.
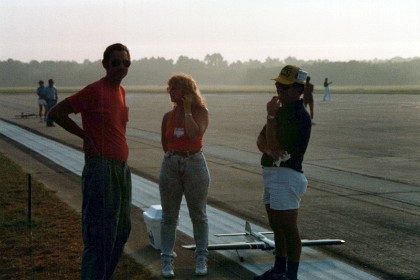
[(117, 63), (286, 87), (283, 87)]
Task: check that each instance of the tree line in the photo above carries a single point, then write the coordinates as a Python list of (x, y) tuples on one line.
[(214, 70)]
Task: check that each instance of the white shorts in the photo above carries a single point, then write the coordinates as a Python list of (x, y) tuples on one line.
[(42, 102), (283, 187)]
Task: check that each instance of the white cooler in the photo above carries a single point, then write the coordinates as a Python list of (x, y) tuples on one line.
[(152, 218)]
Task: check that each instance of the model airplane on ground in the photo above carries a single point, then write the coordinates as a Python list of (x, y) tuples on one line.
[(258, 240), (25, 115)]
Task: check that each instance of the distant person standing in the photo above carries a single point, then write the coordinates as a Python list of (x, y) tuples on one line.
[(42, 103), (327, 94), (106, 177), (308, 98), (184, 171), (51, 96)]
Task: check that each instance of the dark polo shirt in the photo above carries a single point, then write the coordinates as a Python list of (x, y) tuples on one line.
[(294, 123)]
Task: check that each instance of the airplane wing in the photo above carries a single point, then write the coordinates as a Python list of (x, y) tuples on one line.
[(263, 245), (241, 233), (231, 234), (234, 246), (322, 242)]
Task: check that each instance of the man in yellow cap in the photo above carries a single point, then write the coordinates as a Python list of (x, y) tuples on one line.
[(283, 142)]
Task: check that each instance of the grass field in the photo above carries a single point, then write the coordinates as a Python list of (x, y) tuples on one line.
[(50, 247), (409, 89)]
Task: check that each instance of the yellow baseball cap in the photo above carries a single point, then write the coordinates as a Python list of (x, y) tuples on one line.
[(291, 74)]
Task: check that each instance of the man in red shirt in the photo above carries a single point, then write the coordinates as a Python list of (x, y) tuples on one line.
[(106, 178)]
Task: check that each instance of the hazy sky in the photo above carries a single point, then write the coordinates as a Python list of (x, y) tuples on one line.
[(238, 29)]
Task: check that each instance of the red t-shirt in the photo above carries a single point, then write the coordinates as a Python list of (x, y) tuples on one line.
[(104, 117), (178, 140)]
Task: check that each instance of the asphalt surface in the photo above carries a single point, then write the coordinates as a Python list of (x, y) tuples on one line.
[(362, 164)]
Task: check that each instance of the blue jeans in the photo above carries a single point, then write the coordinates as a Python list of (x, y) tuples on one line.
[(106, 186), (50, 103), (187, 176)]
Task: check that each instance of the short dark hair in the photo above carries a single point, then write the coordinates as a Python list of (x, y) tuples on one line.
[(115, 47)]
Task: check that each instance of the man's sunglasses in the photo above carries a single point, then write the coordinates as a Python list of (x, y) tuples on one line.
[(283, 87), (286, 87), (117, 63)]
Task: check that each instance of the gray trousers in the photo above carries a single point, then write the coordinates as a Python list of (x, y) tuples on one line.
[(106, 224)]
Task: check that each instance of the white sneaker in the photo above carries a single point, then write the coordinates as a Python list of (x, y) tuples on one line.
[(168, 267), (201, 266)]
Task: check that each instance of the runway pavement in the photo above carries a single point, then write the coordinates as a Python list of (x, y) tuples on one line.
[(362, 164)]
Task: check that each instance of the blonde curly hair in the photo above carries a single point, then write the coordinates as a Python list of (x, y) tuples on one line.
[(187, 85)]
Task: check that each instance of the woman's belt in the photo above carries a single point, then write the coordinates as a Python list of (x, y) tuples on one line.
[(183, 153)]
